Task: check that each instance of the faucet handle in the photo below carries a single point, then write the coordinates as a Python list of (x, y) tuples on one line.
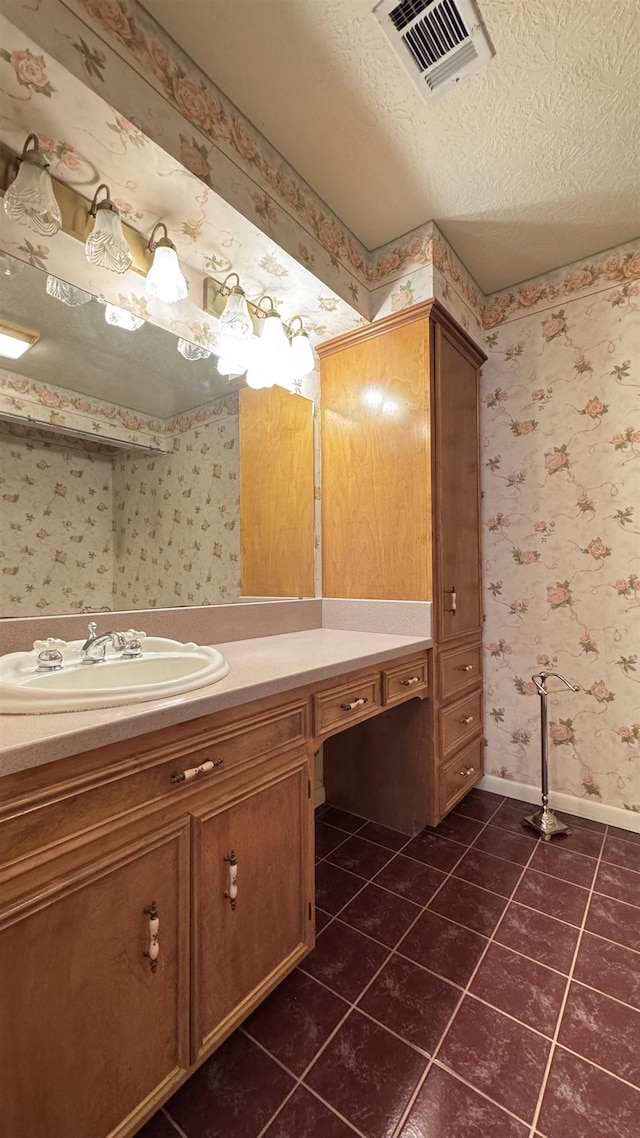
[(132, 645), (92, 631), (131, 634)]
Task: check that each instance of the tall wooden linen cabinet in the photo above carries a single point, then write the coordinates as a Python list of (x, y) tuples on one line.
[(401, 520)]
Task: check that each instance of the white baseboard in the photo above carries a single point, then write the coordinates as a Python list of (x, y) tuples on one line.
[(582, 808)]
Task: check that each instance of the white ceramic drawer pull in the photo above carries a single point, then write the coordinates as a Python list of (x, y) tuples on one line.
[(465, 668), (409, 683), (467, 772), (153, 951), (232, 891), (355, 703), (466, 719), (195, 772)]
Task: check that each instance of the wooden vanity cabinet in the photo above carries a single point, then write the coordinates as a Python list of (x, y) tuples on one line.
[(401, 521), (243, 945), (90, 1033), (95, 1034)]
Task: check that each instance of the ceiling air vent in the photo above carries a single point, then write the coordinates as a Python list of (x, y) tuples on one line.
[(440, 42)]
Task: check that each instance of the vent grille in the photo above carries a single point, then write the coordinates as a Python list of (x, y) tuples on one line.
[(439, 41)]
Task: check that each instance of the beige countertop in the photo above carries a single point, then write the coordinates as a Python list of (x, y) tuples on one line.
[(259, 668)]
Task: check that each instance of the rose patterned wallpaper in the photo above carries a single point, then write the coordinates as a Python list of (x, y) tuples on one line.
[(561, 477), (56, 540), (177, 520), (86, 526)]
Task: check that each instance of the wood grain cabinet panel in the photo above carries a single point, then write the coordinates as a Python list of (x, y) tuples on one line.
[(461, 773), (403, 681), (458, 669), (401, 510), (339, 707), (90, 1034), (459, 722), (260, 846)]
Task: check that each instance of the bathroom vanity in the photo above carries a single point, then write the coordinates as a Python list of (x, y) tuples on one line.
[(156, 888)]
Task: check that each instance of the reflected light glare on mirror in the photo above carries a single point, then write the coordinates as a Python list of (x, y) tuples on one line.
[(192, 351), (67, 293), (15, 341), (121, 318)]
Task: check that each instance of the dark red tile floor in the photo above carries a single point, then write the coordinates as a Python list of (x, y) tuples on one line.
[(472, 982)]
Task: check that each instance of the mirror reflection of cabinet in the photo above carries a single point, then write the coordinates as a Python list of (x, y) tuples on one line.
[(276, 494), (120, 478)]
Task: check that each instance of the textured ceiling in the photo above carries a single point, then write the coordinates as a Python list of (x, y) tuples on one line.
[(530, 164)]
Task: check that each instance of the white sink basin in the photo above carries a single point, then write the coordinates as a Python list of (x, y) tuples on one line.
[(166, 668)]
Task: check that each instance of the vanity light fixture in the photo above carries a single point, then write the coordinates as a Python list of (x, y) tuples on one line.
[(106, 245), (302, 358), (14, 340), (272, 362), (122, 318), (235, 321), (165, 279), (67, 293), (30, 199), (192, 351)]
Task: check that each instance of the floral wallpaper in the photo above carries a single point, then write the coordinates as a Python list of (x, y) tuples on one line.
[(561, 471), (176, 519), (86, 526), (56, 540)]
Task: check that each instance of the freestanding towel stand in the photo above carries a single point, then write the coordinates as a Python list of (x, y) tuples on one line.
[(544, 821)]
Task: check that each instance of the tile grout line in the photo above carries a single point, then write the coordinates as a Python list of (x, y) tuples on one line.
[(383, 964), (554, 1041), (434, 1056), (172, 1121)]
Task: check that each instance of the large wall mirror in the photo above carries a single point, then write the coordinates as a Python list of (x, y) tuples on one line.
[(132, 475)]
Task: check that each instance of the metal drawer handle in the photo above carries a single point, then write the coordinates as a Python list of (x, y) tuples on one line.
[(356, 703), (452, 591), (153, 951), (408, 683), (467, 772), (232, 891), (465, 668), (464, 719), (194, 772)]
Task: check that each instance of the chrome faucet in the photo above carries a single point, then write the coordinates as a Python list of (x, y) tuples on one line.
[(94, 649)]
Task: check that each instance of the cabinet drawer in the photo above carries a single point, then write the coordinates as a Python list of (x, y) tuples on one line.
[(338, 707), (78, 804), (460, 774), (403, 681), (459, 722), (459, 669)]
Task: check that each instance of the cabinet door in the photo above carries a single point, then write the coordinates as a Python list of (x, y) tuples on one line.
[(457, 516), (243, 947), (90, 1034)]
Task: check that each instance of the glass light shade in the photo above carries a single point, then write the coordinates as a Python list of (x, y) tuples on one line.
[(302, 357), (107, 245), (122, 318), (165, 279), (236, 321), (67, 293), (30, 199), (192, 351)]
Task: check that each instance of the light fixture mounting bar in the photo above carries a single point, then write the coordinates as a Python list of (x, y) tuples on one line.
[(74, 209)]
